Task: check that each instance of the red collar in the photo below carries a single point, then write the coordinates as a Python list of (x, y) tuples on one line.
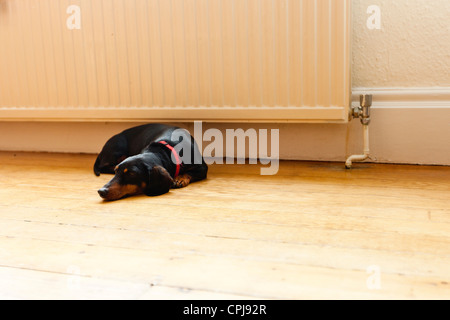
[(175, 154)]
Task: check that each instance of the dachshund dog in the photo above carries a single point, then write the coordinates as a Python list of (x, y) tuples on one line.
[(145, 160)]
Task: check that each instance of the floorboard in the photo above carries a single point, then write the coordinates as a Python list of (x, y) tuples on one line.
[(314, 231)]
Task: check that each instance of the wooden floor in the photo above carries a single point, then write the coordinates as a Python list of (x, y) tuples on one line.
[(314, 231)]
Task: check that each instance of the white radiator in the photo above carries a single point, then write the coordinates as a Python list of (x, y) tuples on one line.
[(215, 60)]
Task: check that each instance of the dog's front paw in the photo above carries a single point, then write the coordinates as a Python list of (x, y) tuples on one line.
[(181, 181)]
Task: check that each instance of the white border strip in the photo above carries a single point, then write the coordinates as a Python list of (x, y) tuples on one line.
[(411, 97)]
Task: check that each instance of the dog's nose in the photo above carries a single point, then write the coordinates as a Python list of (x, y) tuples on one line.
[(103, 192)]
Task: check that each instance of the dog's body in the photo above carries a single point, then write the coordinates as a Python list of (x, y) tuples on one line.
[(129, 143), (144, 161)]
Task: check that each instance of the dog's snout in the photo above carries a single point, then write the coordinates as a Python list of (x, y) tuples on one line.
[(103, 192)]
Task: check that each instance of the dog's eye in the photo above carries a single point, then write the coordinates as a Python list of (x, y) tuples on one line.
[(132, 173), (129, 172)]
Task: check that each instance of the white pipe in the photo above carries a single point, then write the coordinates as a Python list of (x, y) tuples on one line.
[(348, 163)]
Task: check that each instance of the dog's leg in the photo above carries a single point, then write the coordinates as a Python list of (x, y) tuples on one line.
[(182, 181)]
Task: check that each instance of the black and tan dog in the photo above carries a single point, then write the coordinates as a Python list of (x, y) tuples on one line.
[(145, 161)]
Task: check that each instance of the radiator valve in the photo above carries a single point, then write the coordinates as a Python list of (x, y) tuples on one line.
[(363, 111)]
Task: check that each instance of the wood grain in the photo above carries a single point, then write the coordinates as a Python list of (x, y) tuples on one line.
[(312, 231)]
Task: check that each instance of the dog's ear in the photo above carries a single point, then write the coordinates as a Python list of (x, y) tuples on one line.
[(159, 182)]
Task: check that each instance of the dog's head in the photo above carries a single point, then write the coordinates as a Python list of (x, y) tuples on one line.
[(137, 175)]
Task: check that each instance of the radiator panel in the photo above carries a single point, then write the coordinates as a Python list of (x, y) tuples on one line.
[(232, 60)]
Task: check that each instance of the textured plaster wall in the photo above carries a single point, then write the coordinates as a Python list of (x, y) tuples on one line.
[(412, 48)]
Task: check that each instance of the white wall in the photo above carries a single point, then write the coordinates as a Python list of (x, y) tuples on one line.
[(395, 137), (412, 48)]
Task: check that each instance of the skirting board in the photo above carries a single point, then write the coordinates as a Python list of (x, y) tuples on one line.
[(408, 126)]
